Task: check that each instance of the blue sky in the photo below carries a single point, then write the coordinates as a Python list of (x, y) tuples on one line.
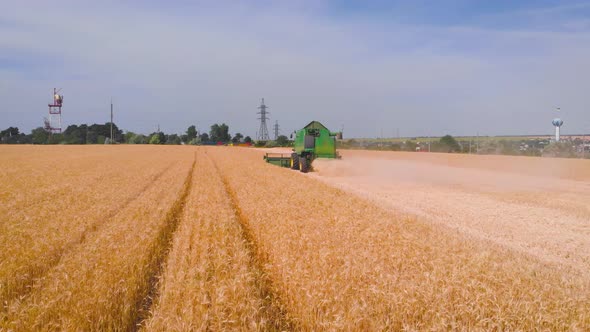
[(420, 67)]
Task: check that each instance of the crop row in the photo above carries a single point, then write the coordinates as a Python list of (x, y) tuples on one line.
[(340, 262), (48, 214), (208, 282), (103, 280)]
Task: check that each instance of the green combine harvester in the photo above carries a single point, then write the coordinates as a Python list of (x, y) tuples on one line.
[(313, 141)]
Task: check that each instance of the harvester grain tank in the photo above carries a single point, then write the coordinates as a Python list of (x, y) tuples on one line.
[(311, 142)]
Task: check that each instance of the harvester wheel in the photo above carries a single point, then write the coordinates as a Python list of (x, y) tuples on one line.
[(294, 161), (304, 165)]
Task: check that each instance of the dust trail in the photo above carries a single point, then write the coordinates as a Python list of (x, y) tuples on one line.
[(544, 214)]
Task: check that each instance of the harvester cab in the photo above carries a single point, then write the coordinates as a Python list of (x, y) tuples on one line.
[(311, 142)]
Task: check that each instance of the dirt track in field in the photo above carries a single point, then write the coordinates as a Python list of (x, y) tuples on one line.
[(537, 206)]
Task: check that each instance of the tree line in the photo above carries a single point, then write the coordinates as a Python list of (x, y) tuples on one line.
[(101, 133)]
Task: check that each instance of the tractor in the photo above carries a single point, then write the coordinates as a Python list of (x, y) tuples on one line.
[(313, 141)]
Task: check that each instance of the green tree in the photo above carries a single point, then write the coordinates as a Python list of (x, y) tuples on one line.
[(139, 139), (449, 144), (10, 136), (237, 138), (282, 140), (220, 133), (191, 133), (247, 139), (128, 137), (173, 139), (204, 137), (155, 139), (39, 136), (161, 138), (56, 139), (75, 134), (91, 137)]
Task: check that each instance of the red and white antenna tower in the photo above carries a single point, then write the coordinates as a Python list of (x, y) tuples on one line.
[(53, 122)]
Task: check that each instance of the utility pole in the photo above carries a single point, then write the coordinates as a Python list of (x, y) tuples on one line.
[(276, 129), (111, 120)]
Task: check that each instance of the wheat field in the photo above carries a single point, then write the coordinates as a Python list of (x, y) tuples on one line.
[(186, 238)]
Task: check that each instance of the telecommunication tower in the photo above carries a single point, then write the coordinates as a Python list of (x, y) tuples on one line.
[(53, 122), (263, 132), (276, 129)]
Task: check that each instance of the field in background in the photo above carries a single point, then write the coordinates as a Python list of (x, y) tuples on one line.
[(465, 138), (570, 146), (211, 238)]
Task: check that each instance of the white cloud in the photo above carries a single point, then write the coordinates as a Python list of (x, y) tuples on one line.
[(212, 63)]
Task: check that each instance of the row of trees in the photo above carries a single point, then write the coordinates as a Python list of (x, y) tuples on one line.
[(74, 134), (101, 133), (219, 133)]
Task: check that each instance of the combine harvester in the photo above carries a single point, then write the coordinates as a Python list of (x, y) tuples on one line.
[(311, 142)]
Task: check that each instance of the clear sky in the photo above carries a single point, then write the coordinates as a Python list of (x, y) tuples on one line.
[(372, 67)]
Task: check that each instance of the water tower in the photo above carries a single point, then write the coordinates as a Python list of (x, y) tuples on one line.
[(557, 123)]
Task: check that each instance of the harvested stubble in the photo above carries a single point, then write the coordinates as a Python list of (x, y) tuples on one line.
[(51, 198), (101, 283), (208, 282), (339, 262), (562, 168)]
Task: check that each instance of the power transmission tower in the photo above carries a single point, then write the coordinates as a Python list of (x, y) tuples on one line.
[(263, 131), (276, 130)]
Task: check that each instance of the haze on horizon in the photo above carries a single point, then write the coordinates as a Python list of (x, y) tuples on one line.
[(372, 67)]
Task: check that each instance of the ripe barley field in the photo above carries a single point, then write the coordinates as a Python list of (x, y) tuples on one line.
[(212, 238)]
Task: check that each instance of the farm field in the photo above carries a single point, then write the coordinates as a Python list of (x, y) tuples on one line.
[(212, 238)]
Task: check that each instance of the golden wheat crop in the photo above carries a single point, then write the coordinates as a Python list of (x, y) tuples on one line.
[(209, 283), (339, 262), (99, 279), (51, 199), (213, 238)]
